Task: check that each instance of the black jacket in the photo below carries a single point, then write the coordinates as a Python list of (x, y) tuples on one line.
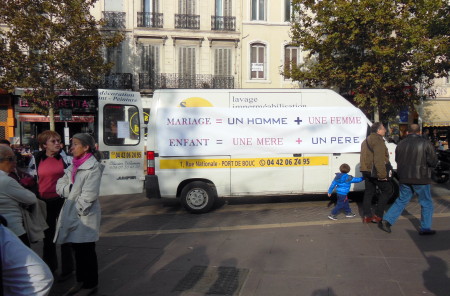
[(415, 156)]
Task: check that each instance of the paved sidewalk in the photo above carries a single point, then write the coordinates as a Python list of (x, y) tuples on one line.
[(285, 248)]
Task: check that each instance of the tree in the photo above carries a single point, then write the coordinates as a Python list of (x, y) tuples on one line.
[(383, 53), (50, 47)]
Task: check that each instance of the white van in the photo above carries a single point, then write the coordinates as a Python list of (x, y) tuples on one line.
[(205, 144)]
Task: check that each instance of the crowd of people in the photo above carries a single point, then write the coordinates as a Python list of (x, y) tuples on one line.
[(56, 200)]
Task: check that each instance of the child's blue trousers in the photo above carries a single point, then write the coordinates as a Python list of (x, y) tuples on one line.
[(342, 204)]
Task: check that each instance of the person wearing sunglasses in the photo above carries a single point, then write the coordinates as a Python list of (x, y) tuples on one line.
[(13, 196)]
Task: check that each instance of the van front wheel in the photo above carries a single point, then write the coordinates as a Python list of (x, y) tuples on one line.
[(198, 197)]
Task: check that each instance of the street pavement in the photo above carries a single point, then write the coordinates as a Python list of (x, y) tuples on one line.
[(267, 246)]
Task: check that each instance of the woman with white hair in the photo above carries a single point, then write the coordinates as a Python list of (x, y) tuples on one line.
[(79, 220)]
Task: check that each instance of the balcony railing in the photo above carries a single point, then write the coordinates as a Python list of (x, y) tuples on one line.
[(223, 23), (118, 81), (114, 19), (172, 80), (150, 19), (187, 21)]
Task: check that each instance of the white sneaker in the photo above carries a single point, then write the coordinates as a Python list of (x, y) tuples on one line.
[(332, 217), (350, 215)]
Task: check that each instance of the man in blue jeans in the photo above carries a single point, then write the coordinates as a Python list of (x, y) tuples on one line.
[(415, 157)]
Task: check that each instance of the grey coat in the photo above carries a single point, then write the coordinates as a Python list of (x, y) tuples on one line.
[(79, 220)]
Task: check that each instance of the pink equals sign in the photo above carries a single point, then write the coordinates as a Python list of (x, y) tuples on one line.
[(219, 120)]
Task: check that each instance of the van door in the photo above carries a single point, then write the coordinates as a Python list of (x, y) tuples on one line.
[(317, 173), (121, 141), (266, 175)]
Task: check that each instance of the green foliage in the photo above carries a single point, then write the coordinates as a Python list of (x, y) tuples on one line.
[(383, 53), (52, 46)]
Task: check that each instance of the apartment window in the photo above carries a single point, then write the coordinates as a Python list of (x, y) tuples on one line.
[(186, 6), (150, 59), (258, 10), (114, 55), (258, 61), (150, 5), (223, 8), (222, 61), (287, 10), (291, 56)]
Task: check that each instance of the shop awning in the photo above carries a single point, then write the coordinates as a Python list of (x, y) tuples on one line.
[(436, 113), (42, 118)]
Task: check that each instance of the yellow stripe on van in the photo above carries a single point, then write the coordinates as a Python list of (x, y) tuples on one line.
[(220, 163), (125, 154)]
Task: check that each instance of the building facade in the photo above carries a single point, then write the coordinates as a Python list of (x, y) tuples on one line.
[(191, 44), (175, 44)]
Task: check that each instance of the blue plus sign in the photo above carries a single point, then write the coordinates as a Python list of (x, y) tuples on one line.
[(298, 120)]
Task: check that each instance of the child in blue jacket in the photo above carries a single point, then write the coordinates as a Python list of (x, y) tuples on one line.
[(342, 183)]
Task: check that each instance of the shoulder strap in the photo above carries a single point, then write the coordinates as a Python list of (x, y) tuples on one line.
[(368, 146)]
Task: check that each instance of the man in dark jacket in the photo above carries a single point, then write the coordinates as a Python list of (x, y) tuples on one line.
[(375, 153), (415, 156)]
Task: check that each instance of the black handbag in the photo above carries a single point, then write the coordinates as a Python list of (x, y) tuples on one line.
[(374, 172)]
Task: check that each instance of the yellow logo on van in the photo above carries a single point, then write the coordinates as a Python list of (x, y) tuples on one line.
[(195, 102)]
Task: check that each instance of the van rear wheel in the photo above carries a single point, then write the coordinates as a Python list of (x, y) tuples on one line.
[(198, 197)]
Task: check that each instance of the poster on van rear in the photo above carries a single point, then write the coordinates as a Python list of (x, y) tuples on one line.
[(225, 131)]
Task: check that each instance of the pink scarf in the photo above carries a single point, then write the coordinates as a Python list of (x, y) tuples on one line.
[(77, 162)]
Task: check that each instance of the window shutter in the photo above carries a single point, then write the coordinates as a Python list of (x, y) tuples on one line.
[(254, 10), (287, 10), (216, 62), (262, 10), (222, 62), (150, 59), (227, 8), (186, 63), (181, 7)]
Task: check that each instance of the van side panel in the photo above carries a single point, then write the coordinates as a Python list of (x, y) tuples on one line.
[(265, 177)]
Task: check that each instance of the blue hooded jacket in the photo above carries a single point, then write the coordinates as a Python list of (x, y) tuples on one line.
[(342, 182)]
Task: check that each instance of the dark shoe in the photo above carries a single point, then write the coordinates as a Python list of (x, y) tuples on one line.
[(64, 277), (86, 292), (376, 219), (385, 226), (427, 232), (74, 289), (367, 219)]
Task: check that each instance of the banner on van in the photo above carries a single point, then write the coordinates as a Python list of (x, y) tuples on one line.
[(225, 131)]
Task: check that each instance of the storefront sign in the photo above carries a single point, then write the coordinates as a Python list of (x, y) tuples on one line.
[(75, 104)]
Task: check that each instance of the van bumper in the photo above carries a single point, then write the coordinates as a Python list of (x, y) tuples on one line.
[(152, 187)]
